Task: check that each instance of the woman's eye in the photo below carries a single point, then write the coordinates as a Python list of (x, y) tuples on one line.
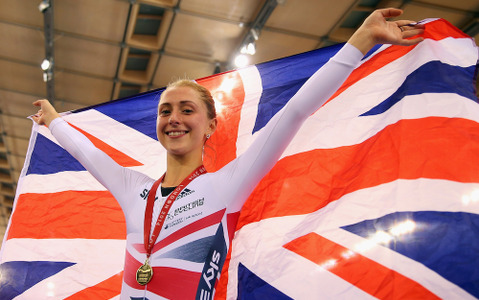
[(164, 112), (187, 111)]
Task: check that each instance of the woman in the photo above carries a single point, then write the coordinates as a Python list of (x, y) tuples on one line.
[(176, 246)]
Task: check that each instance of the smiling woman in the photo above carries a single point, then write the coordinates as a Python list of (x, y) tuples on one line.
[(182, 258), (183, 125)]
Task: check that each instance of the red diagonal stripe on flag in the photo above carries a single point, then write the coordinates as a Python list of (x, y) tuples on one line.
[(69, 214), (364, 273), (118, 156), (106, 289), (433, 147)]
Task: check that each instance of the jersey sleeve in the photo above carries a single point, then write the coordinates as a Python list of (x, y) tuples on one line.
[(245, 172), (109, 173)]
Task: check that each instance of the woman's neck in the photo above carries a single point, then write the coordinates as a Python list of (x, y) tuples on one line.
[(178, 168)]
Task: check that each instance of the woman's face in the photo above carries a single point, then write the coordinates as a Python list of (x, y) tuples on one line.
[(182, 122)]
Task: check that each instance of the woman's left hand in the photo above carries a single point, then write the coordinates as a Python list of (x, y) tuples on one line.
[(377, 30)]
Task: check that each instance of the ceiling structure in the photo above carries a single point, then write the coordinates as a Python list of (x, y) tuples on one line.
[(109, 49)]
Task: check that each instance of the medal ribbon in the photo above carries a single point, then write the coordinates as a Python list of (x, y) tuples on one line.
[(150, 241)]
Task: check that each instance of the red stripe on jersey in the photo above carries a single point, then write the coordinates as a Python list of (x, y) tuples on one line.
[(207, 221), (364, 273), (433, 147), (69, 214), (119, 157), (106, 289)]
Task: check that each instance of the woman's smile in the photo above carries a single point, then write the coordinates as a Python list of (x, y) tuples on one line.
[(176, 134)]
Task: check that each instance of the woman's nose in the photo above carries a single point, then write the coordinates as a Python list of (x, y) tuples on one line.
[(174, 118)]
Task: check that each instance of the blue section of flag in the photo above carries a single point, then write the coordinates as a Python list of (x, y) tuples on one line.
[(19, 276), (281, 79), (445, 242), (371, 52), (49, 158), (138, 112), (432, 77), (251, 286)]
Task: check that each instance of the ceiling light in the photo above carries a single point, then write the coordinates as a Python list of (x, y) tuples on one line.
[(241, 61), (43, 6), (251, 48), (46, 64)]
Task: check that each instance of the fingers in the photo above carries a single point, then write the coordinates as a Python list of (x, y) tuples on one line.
[(409, 31), (412, 32), (37, 119), (401, 23), (406, 25), (41, 103), (411, 42), (390, 12)]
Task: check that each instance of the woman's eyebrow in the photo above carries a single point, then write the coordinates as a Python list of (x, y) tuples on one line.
[(187, 102), (164, 104), (182, 102)]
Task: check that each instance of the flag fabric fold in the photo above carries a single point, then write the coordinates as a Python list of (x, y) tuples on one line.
[(376, 197)]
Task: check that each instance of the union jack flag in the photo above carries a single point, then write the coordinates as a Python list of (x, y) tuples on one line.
[(376, 197)]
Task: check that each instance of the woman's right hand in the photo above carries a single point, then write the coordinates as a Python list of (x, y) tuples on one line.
[(46, 114)]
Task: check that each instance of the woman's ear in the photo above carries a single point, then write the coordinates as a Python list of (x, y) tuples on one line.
[(212, 126)]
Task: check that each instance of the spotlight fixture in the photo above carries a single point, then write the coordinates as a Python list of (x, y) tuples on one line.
[(249, 44), (46, 64), (249, 49), (44, 5)]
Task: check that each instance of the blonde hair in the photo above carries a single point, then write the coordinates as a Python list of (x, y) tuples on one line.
[(204, 93)]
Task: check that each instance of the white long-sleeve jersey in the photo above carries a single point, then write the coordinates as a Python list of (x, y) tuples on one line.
[(190, 251)]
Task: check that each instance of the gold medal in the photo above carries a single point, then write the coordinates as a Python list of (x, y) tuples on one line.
[(144, 273)]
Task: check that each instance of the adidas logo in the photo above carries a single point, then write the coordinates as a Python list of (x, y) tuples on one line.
[(185, 193)]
